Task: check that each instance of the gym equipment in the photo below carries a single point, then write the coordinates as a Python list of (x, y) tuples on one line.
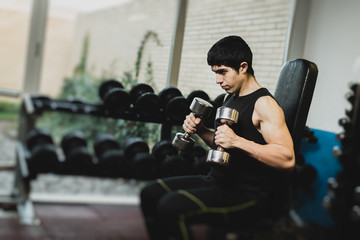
[(115, 98), (110, 160), (201, 109), (78, 160), (43, 153), (197, 93), (137, 152), (174, 105), (145, 101), (168, 162), (228, 116), (330, 197), (218, 101)]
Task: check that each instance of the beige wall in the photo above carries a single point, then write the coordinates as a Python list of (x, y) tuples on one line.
[(116, 33), (263, 23), (13, 39)]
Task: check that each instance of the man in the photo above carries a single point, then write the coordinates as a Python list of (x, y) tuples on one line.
[(259, 144)]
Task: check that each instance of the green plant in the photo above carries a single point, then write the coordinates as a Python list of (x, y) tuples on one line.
[(9, 110)]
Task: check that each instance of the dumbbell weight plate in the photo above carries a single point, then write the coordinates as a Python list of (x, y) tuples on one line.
[(177, 109), (218, 157), (134, 146), (145, 101), (106, 85), (114, 97), (104, 142), (148, 104), (138, 90), (73, 140), (161, 149), (168, 93), (44, 159), (78, 159), (183, 142), (112, 163), (144, 166), (38, 136), (116, 100), (197, 93)]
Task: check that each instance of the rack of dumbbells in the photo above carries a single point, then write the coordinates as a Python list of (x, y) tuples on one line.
[(36, 152), (343, 197)]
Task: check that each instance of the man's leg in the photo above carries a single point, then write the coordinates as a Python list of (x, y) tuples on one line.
[(151, 194)]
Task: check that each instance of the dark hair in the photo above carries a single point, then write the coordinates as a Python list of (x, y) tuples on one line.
[(231, 51)]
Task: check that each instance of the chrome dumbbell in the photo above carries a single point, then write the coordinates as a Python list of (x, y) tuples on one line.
[(228, 116), (200, 108)]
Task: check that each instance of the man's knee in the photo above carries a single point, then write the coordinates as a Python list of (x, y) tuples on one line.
[(149, 195)]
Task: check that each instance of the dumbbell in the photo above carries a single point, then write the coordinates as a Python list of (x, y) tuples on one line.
[(43, 153), (217, 102), (110, 159), (78, 160), (168, 162), (197, 93), (228, 116), (174, 105), (330, 198), (144, 100), (201, 109), (345, 123), (115, 98), (137, 152)]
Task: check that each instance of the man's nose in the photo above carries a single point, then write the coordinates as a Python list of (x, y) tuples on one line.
[(219, 79)]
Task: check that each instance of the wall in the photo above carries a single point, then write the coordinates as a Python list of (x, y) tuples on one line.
[(332, 42), (263, 24), (12, 47), (115, 35)]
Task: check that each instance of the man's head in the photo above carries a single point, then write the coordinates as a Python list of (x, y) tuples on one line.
[(231, 51)]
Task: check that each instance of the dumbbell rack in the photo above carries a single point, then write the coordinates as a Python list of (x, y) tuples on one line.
[(344, 205), (34, 106)]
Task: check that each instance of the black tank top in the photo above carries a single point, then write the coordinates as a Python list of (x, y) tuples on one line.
[(248, 174)]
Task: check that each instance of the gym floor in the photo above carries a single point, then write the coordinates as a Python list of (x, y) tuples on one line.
[(81, 222), (111, 222)]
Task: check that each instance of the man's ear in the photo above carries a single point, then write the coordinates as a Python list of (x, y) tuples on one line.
[(243, 67)]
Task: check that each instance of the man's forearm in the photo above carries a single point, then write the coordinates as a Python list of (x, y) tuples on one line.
[(207, 135)]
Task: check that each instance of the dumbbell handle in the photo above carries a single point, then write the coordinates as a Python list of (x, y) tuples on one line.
[(226, 116), (220, 148), (186, 134)]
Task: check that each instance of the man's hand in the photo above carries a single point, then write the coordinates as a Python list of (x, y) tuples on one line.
[(225, 136), (192, 124)]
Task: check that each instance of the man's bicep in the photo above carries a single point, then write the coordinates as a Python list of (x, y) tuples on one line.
[(274, 128)]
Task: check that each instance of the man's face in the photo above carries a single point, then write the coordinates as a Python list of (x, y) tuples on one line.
[(228, 79)]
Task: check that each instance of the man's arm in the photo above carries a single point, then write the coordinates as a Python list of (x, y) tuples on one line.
[(268, 117)]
